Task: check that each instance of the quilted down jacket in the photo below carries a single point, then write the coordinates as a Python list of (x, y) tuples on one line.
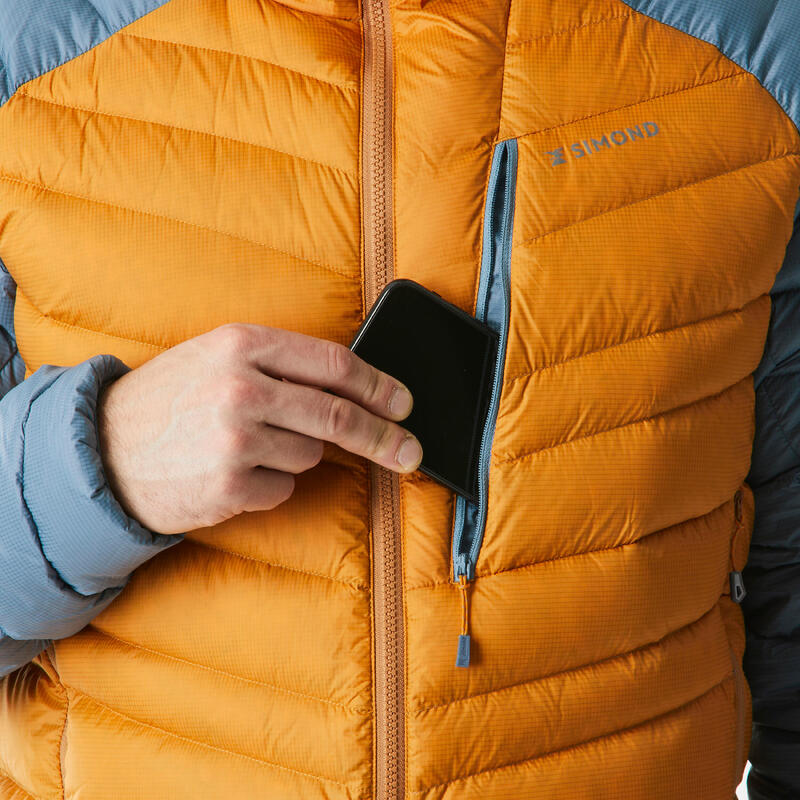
[(613, 186)]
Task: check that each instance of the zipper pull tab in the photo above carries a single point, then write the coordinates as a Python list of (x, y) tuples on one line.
[(738, 592), (462, 659)]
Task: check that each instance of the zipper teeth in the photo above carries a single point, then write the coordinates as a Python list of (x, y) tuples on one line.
[(377, 148), (387, 600), (737, 669), (463, 561), (483, 457), (389, 717), (460, 565)]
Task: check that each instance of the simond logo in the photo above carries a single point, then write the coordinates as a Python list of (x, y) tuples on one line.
[(591, 146)]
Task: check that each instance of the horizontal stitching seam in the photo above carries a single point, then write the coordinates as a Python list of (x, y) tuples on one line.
[(71, 325), (634, 339), (631, 105), (201, 743), (171, 126), (234, 676), (642, 724), (522, 42), (630, 424), (533, 564), (246, 56), (660, 194), (617, 656), (480, 149), (155, 214), (309, 11), (205, 545)]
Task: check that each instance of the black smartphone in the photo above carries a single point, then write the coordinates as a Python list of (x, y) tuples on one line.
[(446, 358)]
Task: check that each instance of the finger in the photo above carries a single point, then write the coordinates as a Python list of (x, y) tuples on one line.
[(263, 489), (326, 416), (282, 449), (312, 361)]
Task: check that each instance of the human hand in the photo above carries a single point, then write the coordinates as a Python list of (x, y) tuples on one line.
[(220, 423)]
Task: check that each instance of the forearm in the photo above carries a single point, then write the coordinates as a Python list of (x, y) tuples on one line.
[(67, 548)]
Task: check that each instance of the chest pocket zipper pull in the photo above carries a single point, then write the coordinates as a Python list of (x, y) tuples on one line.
[(737, 586), (462, 659)]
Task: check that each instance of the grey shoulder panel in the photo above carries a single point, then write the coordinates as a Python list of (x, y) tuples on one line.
[(761, 36), (39, 35)]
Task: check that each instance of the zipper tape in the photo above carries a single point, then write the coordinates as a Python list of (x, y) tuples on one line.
[(387, 567), (492, 308)]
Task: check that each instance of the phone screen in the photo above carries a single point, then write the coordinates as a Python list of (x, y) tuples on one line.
[(446, 358)]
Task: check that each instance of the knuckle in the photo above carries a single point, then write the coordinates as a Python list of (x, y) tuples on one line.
[(236, 392), (340, 362), (339, 417), (235, 443), (233, 337), (375, 385), (381, 439)]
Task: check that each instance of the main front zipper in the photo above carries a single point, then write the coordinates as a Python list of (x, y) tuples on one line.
[(492, 307), (387, 568)]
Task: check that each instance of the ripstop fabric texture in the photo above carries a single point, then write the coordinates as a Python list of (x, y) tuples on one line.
[(200, 165)]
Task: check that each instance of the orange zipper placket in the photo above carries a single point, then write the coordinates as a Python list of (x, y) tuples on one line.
[(387, 567)]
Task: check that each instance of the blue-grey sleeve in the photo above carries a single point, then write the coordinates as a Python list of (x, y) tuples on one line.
[(67, 547), (772, 576)]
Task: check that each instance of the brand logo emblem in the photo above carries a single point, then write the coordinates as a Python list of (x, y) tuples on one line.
[(588, 147)]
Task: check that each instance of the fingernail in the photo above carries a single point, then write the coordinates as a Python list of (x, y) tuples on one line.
[(409, 454), (400, 401)]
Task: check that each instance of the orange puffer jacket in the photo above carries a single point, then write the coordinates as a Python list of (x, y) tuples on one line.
[(613, 194)]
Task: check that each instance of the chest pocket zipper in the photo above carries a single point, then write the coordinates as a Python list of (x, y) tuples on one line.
[(739, 690), (492, 307), (737, 594)]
